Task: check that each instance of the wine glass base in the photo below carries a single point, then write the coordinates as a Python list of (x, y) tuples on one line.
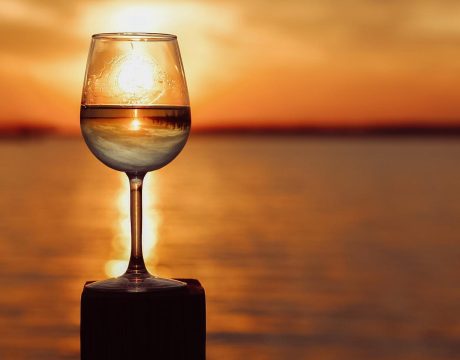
[(136, 283)]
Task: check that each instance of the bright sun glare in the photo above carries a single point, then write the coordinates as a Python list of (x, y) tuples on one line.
[(136, 75), (135, 124)]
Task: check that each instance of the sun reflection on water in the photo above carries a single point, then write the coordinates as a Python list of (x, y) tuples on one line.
[(135, 124), (118, 263)]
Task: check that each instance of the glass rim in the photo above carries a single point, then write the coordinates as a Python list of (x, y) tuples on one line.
[(135, 36)]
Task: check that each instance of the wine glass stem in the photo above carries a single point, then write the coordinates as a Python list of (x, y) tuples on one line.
[(136, 261)]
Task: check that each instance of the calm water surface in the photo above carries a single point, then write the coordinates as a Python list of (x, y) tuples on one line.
[(308, 248)]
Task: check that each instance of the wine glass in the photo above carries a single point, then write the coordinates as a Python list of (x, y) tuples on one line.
[(135, 118)]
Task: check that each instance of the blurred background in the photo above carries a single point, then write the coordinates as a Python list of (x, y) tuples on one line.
[(317, 199)]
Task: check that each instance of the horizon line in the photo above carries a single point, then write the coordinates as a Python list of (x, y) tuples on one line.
[(11, 130)]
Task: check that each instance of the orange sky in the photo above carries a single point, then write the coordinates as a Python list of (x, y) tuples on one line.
[(248, 62)]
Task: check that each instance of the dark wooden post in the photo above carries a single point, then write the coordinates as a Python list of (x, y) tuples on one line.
[(168, 325)]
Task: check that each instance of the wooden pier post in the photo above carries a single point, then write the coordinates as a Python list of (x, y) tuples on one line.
[(168, 325)]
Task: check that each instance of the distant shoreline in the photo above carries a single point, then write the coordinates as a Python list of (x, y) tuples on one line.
[(337, 131), (33, 131)]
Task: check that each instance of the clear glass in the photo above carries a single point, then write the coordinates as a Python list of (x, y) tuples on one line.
[(135, 118)]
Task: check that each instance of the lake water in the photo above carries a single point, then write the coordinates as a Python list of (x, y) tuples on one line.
[(308, 248)]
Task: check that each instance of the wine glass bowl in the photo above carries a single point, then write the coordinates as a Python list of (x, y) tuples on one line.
[(135, 117)]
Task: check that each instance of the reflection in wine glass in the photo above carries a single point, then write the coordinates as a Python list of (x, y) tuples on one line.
[(116, 266)]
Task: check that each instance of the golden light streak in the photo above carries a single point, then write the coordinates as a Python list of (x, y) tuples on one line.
[(117, 265), (135, 123)]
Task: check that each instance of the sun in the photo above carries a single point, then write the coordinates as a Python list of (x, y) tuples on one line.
[(135, 124), (136, 75)]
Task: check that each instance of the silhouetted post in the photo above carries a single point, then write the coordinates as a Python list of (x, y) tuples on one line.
[(164, 325)]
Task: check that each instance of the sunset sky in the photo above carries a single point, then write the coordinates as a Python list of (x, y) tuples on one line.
[(248, 62)]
